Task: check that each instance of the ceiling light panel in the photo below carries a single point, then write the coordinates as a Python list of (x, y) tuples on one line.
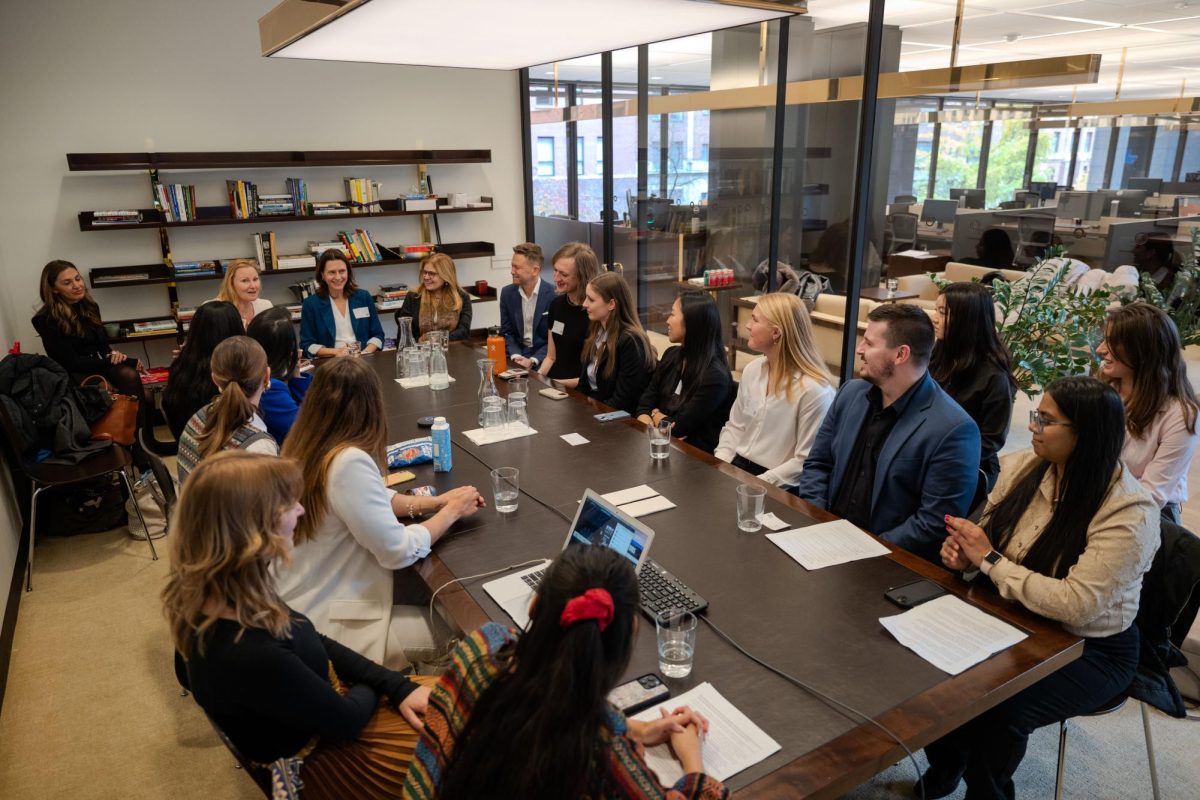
[(481, 34)]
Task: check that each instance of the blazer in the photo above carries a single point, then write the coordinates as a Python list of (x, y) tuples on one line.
[(280, 404), (80, 355), (698, 418), (512, 320), (624, 387), (412, 308), (928, 467), (317, 328)]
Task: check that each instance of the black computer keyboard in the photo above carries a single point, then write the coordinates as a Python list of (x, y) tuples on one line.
[(534, 578), (662, 591)]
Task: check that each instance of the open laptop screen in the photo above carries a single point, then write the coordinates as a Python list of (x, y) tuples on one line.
[(598, 525)]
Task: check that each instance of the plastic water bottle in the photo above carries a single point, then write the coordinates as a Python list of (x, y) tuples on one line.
[(439, 376), (440, 432)]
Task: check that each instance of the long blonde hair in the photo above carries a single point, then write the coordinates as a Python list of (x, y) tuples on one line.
[(447, 298), (227, 292), (69, 318), (223, 537), (352, 389), (623, 319), (796, 350), (239, 369)]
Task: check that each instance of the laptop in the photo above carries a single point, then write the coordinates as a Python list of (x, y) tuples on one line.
[(599, 523)]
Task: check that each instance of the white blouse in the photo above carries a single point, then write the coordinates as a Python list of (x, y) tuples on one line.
[(770, 431), (1161, 457), (343, 330)]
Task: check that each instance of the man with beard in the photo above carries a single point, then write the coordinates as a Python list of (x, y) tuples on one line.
[(895, 454)]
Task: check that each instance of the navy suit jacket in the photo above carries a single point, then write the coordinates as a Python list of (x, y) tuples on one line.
[(512, 321), (928, 467), (317, 329)]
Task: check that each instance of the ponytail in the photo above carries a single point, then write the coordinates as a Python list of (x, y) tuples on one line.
[(239, 366)]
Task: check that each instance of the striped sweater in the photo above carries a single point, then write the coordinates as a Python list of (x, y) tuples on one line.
[(473, 667)]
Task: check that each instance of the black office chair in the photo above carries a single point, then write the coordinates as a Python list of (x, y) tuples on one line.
[(164, 479), (904, 231), (1028, 199), (1035, 235), (1011, 205), (904, 199)]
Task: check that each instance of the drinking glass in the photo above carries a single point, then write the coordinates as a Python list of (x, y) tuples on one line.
[(892, 285), (494, 414), (353, 348), (518, 389), (750, 501), (412, 362), (506, 488), (676, 642), (518, 414), (660, 439)]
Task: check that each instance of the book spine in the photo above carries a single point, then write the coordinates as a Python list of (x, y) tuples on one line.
[(258, 250), (231, 190), (191, 195), (274, 251)]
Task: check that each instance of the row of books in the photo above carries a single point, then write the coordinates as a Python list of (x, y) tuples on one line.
[(363, 195), (196, 269), (358, 246), (265, 252), (391, 296), (124, 217), (176, 201), (327, 209), (298, 191), (149, 327), (275, 205)]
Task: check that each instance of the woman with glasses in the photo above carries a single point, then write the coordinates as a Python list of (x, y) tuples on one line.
[(438, 304), (1142, 358), (1068, 532)]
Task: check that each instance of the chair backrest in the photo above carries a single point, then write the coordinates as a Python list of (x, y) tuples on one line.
[(162, 475), (904, 199), (1009, 205), (1026, 198), (261, 777), (904, 226)]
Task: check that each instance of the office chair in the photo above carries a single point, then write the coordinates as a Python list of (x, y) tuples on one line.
[(1010, 205), (260, 776), (904, 199), (165, 497), (904, 231), (1035, 234), (1028, 199)]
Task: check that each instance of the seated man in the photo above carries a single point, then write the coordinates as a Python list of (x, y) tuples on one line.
[(524, 306), (895, 454)]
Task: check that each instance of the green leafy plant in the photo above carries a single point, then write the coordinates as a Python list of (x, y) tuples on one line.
[(1182, 300)]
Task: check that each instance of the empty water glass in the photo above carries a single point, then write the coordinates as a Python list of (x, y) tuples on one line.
[(518, 389), (518, 414), (493, 412), (413, 361), (892, 285), (750, 500)]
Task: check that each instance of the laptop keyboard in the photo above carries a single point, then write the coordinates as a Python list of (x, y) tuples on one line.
[(660, 590), (534, 578)]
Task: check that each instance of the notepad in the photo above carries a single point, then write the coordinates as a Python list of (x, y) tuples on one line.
[(826, 544), (501, 433), (620, 498), (640, 508), (574, 439), (951, 634)]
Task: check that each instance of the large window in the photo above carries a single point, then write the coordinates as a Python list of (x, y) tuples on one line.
[(545, 156), (959, 148), (1006, 160)]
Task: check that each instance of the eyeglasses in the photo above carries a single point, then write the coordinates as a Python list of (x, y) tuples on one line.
[(1040, 423)]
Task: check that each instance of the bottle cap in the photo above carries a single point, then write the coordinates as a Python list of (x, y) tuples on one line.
[(439, 420)]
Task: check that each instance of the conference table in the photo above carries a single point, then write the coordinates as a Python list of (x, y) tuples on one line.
[(822, 627)]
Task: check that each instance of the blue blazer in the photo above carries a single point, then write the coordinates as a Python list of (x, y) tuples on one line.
[(280, 404), (928, 468), (512, 321), (316, 322)]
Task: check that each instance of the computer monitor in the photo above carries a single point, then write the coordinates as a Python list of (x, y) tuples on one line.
[(1129, 202), (1073, 205), (939, 211), (971, 198), (1151, 185), (1043, 189)]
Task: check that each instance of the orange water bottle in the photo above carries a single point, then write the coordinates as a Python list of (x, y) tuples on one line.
[(495, 350)]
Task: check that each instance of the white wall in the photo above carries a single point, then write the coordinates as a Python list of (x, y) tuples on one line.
[(10, 517), (130, 76)]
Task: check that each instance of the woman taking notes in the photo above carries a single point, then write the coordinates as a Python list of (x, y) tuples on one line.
[(280, 403), (439, 304), (527, 715), (262, 673), (340, 319), (350, 540), (691, 387), (617, 359), (783, 396), (1143, 360), (241, 286), (1068, 533), (575, 265), (189, 382)]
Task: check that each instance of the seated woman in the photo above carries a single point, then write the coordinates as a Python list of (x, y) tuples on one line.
[(691, 387), (491, 706), (231, 422), (351, 540), (280, 403), (1068, 533), (438, 304), (340, 317), (575, 264), (1143, 360), (189, 380), (241, 286), (262, 673), (782, 397), (973, 366), (618, 358), (994, 249)]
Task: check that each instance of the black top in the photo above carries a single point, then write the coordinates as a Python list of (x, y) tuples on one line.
[(987, 396), (568, 345), (628, 380), (412, 308), (80, 355), (271, 696), (698, 417), (182, 399), (853, 500)]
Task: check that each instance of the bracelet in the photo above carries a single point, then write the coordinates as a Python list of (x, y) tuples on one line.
[(411, 513)]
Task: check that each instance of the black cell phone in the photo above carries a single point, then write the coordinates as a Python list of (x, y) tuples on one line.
[(425, 422), (915, 593), (639, 694)]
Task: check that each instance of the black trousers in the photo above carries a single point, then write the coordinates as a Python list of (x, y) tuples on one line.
[(987, 750)]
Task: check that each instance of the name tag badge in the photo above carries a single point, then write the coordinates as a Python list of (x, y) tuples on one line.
[(558, 327), (362, 312), (679, 387)]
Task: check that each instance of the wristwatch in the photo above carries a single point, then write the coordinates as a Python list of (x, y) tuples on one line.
[(992, 557)]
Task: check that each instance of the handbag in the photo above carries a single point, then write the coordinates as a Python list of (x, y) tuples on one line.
[(150, 498), (119, 424)]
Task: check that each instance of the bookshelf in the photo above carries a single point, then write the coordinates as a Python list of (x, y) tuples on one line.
[(162, 274)]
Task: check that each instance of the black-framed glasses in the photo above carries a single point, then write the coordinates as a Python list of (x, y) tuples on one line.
[(1040, 423)]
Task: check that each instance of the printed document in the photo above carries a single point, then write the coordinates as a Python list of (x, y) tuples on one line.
[(827, 544), (951, 634)]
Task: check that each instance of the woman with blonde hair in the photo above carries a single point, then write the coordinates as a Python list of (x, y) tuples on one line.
[(262, 673), (241, 286), (575, 265), (231, 422), (618, 358), (439, 303), (783, 396), (351, 540)]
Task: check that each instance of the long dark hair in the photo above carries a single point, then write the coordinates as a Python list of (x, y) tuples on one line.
[(70, 318), (1145, 339), (969, 337), (623, 319), (189, 382), (1098, 417), (273, 329), (701, 338), (550, 696)]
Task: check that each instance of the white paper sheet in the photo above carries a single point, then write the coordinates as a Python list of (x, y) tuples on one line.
[(915, 254), (951, 634), (501, 433), (574, 439), (734, 742), (413, 383), (640, 508), (620, 498), (827, 544), (771, 521)]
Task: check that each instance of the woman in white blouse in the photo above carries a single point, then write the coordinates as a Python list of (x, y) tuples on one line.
[(242, 286), (1142, 358), (782, 397), (350, 540)]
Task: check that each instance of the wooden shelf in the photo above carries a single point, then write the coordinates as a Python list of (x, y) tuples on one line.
[(265, 159)]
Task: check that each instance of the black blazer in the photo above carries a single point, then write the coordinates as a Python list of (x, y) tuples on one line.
[(412, 308), (699, 417), (82, 355), (628, 380), (987, 396)]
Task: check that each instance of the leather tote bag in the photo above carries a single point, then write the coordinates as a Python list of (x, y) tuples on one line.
[(120, 423)]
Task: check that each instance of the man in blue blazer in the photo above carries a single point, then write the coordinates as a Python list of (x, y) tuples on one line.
[(524, 308), (895, 454)]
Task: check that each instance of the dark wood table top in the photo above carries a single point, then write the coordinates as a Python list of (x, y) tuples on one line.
[(821, 627), (881, 295)]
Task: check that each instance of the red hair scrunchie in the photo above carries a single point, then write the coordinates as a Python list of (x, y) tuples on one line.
[(594, 604)]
